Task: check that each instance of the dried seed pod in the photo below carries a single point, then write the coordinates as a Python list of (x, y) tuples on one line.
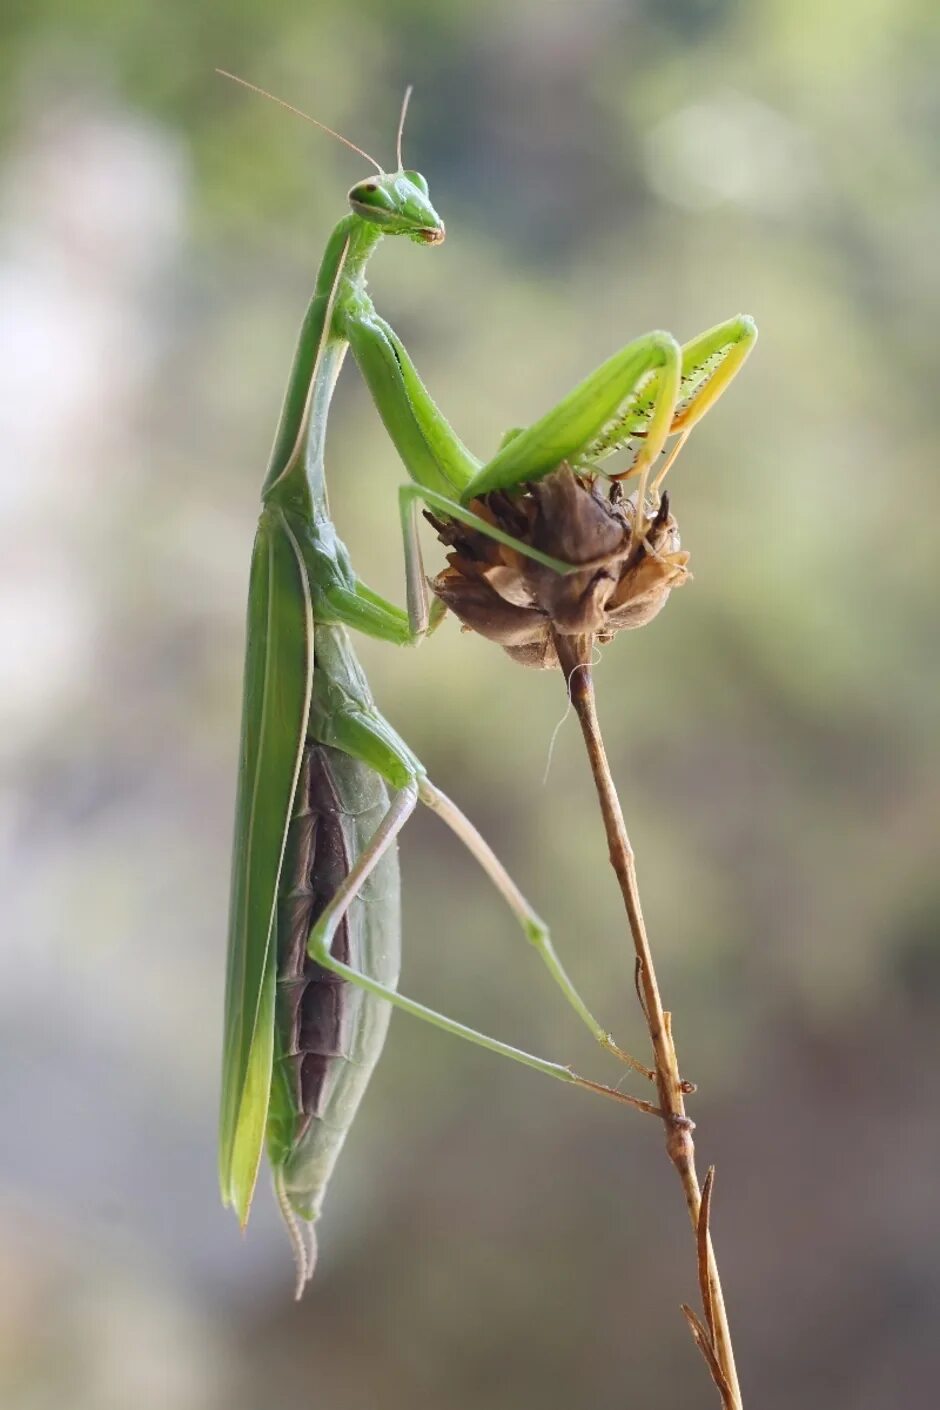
[(520, 604)]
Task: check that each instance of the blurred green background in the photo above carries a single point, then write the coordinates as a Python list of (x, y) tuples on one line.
[(490, 1241)]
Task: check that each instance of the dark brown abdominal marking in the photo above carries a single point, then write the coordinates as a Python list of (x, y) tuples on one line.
[(312, 1000)]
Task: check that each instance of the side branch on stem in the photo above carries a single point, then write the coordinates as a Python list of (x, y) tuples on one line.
[(713, 1337)]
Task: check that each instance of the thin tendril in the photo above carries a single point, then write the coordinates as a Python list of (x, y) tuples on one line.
[(596, 657), (306, 116), (555, 733)]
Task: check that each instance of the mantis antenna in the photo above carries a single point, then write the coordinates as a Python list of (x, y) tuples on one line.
[(401, 122), (316, 122)]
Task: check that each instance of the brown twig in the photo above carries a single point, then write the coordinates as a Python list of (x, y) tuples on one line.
[(714, 1337), (704, 1343), (701, 1243)]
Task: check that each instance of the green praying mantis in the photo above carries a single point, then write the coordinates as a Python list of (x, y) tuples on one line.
[(325, 783)]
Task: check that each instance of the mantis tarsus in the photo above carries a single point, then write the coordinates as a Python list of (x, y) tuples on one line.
[(314, 926)]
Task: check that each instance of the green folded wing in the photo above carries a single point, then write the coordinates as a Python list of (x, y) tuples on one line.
[(278, 679)]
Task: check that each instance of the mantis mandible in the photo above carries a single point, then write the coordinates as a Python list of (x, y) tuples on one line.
[(325, 783)]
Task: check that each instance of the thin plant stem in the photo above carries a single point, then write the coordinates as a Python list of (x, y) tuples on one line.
[(714, 1336)]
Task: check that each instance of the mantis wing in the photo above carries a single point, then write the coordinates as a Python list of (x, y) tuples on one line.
[(278, 680)]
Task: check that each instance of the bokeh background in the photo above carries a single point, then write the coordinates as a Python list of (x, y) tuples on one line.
[(490, 1241)]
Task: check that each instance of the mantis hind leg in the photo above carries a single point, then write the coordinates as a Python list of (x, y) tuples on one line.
[(535, 929), (319, 947)]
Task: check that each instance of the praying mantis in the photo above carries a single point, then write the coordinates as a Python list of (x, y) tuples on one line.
[(325, 783)]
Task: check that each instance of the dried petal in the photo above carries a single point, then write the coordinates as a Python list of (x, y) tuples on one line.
[(482, 609)]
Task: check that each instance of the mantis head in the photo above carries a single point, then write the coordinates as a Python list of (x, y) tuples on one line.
[(398, 202), (395, 201)]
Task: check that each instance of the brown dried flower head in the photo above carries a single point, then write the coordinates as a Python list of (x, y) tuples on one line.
[(578, 518)]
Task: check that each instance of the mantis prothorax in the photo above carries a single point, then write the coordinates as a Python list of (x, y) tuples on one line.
[(325, 783)]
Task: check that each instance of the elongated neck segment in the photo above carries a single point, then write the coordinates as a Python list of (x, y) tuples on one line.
[(295, 475)]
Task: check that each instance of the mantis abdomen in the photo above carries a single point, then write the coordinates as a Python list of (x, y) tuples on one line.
[(330, 1032)]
